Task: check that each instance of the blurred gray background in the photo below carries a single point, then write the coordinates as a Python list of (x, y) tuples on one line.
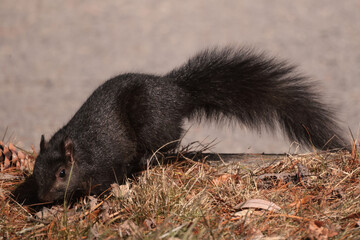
[(53, 54)]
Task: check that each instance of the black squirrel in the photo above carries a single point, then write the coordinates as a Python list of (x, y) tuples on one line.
[(132, 115)]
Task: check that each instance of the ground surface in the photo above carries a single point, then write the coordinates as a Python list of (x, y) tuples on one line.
[(304, 196), (54, 53)]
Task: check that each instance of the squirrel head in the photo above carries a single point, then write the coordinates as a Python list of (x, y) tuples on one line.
[(56, 171)]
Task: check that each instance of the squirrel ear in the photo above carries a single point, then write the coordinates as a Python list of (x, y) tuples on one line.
[(68, 148), (42, 143)]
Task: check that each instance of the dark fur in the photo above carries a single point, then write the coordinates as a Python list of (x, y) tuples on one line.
[(132, 115)]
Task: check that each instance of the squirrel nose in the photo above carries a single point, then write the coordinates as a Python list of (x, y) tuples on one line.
[(48, 196)]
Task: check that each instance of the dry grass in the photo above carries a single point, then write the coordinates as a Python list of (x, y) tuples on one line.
[(318, 193)]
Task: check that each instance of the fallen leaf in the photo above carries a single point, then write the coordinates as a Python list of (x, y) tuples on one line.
[(47, 213), (149, 224), (95, 231), (21, 155), (14, 158), (258, 203), (127, 228), (105, 211), (303, 170), (243, 213), (317, 231), (6, 162), (255, 234), (93, 202), (120, 190), (12, 147), (7, 153), (222, 179)]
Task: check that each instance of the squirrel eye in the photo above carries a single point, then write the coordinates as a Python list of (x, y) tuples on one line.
[(62, 173)]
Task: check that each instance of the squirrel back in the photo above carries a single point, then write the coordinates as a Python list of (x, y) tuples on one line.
[(133, 115)]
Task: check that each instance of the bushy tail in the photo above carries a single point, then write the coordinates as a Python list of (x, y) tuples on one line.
[(257, 91)]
